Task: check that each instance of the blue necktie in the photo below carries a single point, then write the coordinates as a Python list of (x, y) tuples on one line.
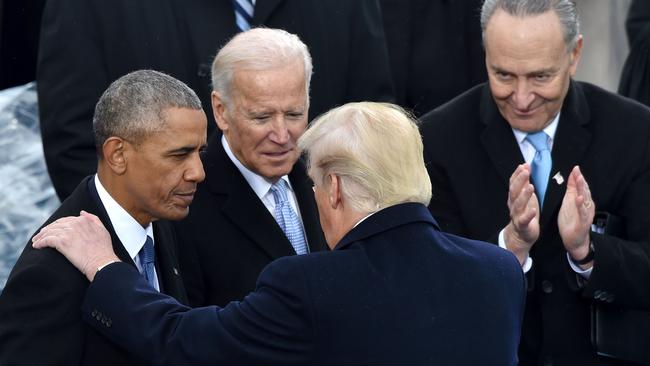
[(147, 257), (243, 13), (542, 162), (287, 218)]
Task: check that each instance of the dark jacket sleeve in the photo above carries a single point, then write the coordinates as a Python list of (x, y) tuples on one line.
[(270, 326), (622, 262), (70, 78)]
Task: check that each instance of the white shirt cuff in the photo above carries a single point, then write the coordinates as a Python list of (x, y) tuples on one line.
[(528, 263), (585, 273)]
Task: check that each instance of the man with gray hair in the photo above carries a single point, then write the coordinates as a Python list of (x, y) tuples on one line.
[(256, 204), (527, 160), (149, 128), (395, 290)]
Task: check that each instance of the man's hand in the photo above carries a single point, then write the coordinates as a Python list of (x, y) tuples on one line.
[(82, 239), (576, 215), (523, 229)]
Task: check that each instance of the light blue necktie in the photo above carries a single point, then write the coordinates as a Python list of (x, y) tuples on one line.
[(541, 163), (147, 257), (243, 13), (287, 218)]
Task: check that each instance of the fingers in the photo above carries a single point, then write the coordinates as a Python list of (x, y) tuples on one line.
[(47, 240), (90, 216), (583, 199), (519, 183)]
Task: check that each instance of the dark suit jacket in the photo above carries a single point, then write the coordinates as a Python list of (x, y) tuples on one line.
[(230, 236), (40, 322), (87, 44), (395, 291), (471, 152), (635, 76), (435, 50)]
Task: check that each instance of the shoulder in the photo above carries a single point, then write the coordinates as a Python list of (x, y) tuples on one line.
[(614, 117), (487, 259), (453, 119), (466, 103), (607, 105)]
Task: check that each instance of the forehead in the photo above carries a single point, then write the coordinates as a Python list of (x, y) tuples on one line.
[(180, 127), (511, 39), (280, 87)]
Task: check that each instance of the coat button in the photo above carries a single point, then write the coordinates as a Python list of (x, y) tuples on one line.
[(610, 298), (547, 287)]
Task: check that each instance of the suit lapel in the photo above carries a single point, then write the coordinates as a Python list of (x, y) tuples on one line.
[(242, 206), (263, 10), (118, 248), (569, 145), (166, 263), (498, 139)]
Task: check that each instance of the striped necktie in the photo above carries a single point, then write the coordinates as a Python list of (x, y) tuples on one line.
[(243, 13), (287, 218), (147, 257), (542, 162)]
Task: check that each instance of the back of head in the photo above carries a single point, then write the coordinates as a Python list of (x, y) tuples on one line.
[(376, 150), (565, 9), (258, 49), (133, 106)]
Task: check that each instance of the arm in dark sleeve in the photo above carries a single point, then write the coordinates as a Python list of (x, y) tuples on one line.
[(40, 323), (622, 265), (637, 23), (70, 78), (270, 326)]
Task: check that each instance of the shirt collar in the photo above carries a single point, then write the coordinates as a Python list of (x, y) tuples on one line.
[(128, 230), (550, 130), (260, 185)]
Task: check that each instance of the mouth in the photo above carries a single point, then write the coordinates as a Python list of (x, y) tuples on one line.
[(522, 113), (277, 155), (185, 197)]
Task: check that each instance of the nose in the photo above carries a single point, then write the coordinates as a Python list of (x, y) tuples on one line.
[(523, 96), (195, 172), (280, 131)]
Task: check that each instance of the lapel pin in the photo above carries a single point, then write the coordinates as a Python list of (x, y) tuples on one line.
[(175, 271), (558, 178)]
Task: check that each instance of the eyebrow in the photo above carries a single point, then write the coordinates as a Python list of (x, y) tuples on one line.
[(184, 150), (549, 70)]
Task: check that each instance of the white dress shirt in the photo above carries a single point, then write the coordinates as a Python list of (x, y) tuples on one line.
[(262, 187), (528, 152), (128, 230)]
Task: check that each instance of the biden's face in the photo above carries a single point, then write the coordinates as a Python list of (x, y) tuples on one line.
[(264, 118)]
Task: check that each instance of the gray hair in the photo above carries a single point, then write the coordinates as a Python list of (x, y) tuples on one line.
[(565, 9), (134, 106), (376, 151), (258, 49)]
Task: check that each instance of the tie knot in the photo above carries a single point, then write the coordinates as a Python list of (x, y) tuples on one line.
[(279, 191), (147, 253), (539, 140)]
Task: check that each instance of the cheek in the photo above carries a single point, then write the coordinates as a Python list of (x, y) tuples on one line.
[(296, 130), (500, 90)]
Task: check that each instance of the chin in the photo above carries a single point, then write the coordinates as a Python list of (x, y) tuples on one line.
[(178, 213)]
